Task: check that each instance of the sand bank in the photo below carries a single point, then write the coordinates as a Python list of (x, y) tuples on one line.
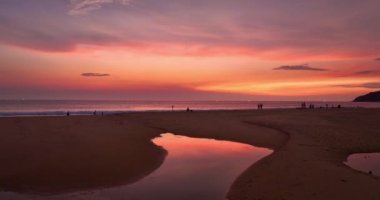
[(60, 154)]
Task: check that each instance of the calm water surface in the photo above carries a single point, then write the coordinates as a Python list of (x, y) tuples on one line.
[(83, 107), (193, 169), (365, 162)]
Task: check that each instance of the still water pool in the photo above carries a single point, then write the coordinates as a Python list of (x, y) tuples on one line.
[(194, 168), (365, 162)]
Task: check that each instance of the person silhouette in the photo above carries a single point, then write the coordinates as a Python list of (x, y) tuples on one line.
[(260, 106)]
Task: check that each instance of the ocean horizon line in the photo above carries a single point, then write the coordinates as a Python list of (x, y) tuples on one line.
[(10, 108)]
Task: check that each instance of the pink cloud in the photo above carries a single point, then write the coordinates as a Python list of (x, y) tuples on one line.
[(82, 7)]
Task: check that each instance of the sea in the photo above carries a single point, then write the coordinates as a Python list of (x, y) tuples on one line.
[(9, 108)]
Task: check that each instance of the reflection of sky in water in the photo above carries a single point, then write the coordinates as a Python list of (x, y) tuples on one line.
[(193, 169), (365, 162)]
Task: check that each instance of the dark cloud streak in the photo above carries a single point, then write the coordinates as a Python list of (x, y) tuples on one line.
[(299, 68), (374, 85), (91, 74), (368, 72)]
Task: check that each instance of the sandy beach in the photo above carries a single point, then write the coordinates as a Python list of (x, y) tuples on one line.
[(52, 155)]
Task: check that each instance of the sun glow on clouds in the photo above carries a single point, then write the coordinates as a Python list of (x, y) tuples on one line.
[(147, 71), (294, 88)]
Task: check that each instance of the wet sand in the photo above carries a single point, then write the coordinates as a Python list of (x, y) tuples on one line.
[(49, 155)]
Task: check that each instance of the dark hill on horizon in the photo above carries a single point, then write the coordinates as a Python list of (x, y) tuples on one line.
[(370, 97)]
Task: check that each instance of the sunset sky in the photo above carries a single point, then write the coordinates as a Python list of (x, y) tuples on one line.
[(189, 49)]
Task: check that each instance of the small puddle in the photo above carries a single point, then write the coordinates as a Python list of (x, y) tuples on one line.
[(194, 168), (365, 162)]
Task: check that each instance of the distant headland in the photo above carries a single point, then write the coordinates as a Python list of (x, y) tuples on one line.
[(370, 97)]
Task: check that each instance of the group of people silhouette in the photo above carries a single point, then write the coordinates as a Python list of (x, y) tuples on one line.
[(303, 105), (94, 113), (312, 106)]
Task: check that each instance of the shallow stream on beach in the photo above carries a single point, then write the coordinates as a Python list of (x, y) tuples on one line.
[(365, 162), (193, 169)]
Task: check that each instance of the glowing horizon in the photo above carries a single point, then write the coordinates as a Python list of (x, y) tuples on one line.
[(189, 50)]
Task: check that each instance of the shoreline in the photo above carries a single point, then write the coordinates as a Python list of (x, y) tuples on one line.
[(105, 112), (307, 163)]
